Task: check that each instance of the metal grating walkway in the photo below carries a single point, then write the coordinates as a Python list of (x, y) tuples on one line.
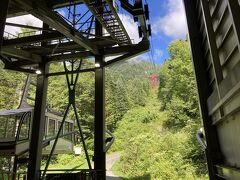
[(108, 17)]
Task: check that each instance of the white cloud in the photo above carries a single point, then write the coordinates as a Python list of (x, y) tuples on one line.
[(158, 53), (131, 27), (173, 24), (25, 20)]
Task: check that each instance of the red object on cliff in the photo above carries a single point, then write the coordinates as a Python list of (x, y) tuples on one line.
[(154, 81)]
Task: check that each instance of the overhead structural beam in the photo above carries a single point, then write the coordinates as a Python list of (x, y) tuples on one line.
[(24, 63), (105, 41), (55, 21), (63, 57), (137, 11), (32, 39), (53, 48), (51, 4), (142, 20), (25, 26), (3, 15), (129, 51), (14, 68), (119, 50), (11, 66), (21, 54), (71, 72), (62, 3), (67, 46), (141, 48)]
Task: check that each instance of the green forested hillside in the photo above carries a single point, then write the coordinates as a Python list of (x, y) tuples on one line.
[(158, 141), (154, 129)]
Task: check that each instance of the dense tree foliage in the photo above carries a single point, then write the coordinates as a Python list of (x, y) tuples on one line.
[(11, 84), (127, 86), (177, 90), (158, 141), (178, 95)]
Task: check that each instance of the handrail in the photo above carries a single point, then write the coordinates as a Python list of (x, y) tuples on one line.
[(201, 139), (93, 174)]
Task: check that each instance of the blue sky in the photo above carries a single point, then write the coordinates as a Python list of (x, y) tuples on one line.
[(168, 23), (167, 18)]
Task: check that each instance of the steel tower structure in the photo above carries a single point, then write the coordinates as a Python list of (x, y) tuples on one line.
[(91, 29)]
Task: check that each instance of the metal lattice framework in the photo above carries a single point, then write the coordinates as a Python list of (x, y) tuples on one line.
[(69, 36), (86, 29)]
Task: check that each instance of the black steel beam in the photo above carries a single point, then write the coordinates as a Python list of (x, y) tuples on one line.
[(24, 26), (55, 21), (136, 49), (21, 54), (63, 57), (99, 122), (71, 72), (127, 6), (126, 52), (11, 65), (142, 20), (15, 10), (62, 3), (137, 11), (32, 39), (24, 63), (68, 46), (213, 152), (3, 15), (126, 56), (35, 152), (54, 50)]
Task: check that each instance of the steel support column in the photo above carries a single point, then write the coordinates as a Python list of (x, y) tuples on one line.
[(35, 152), (99, 126), (3, 16), (213, 153)]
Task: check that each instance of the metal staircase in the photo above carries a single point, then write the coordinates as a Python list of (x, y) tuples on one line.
[(107, 15)]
